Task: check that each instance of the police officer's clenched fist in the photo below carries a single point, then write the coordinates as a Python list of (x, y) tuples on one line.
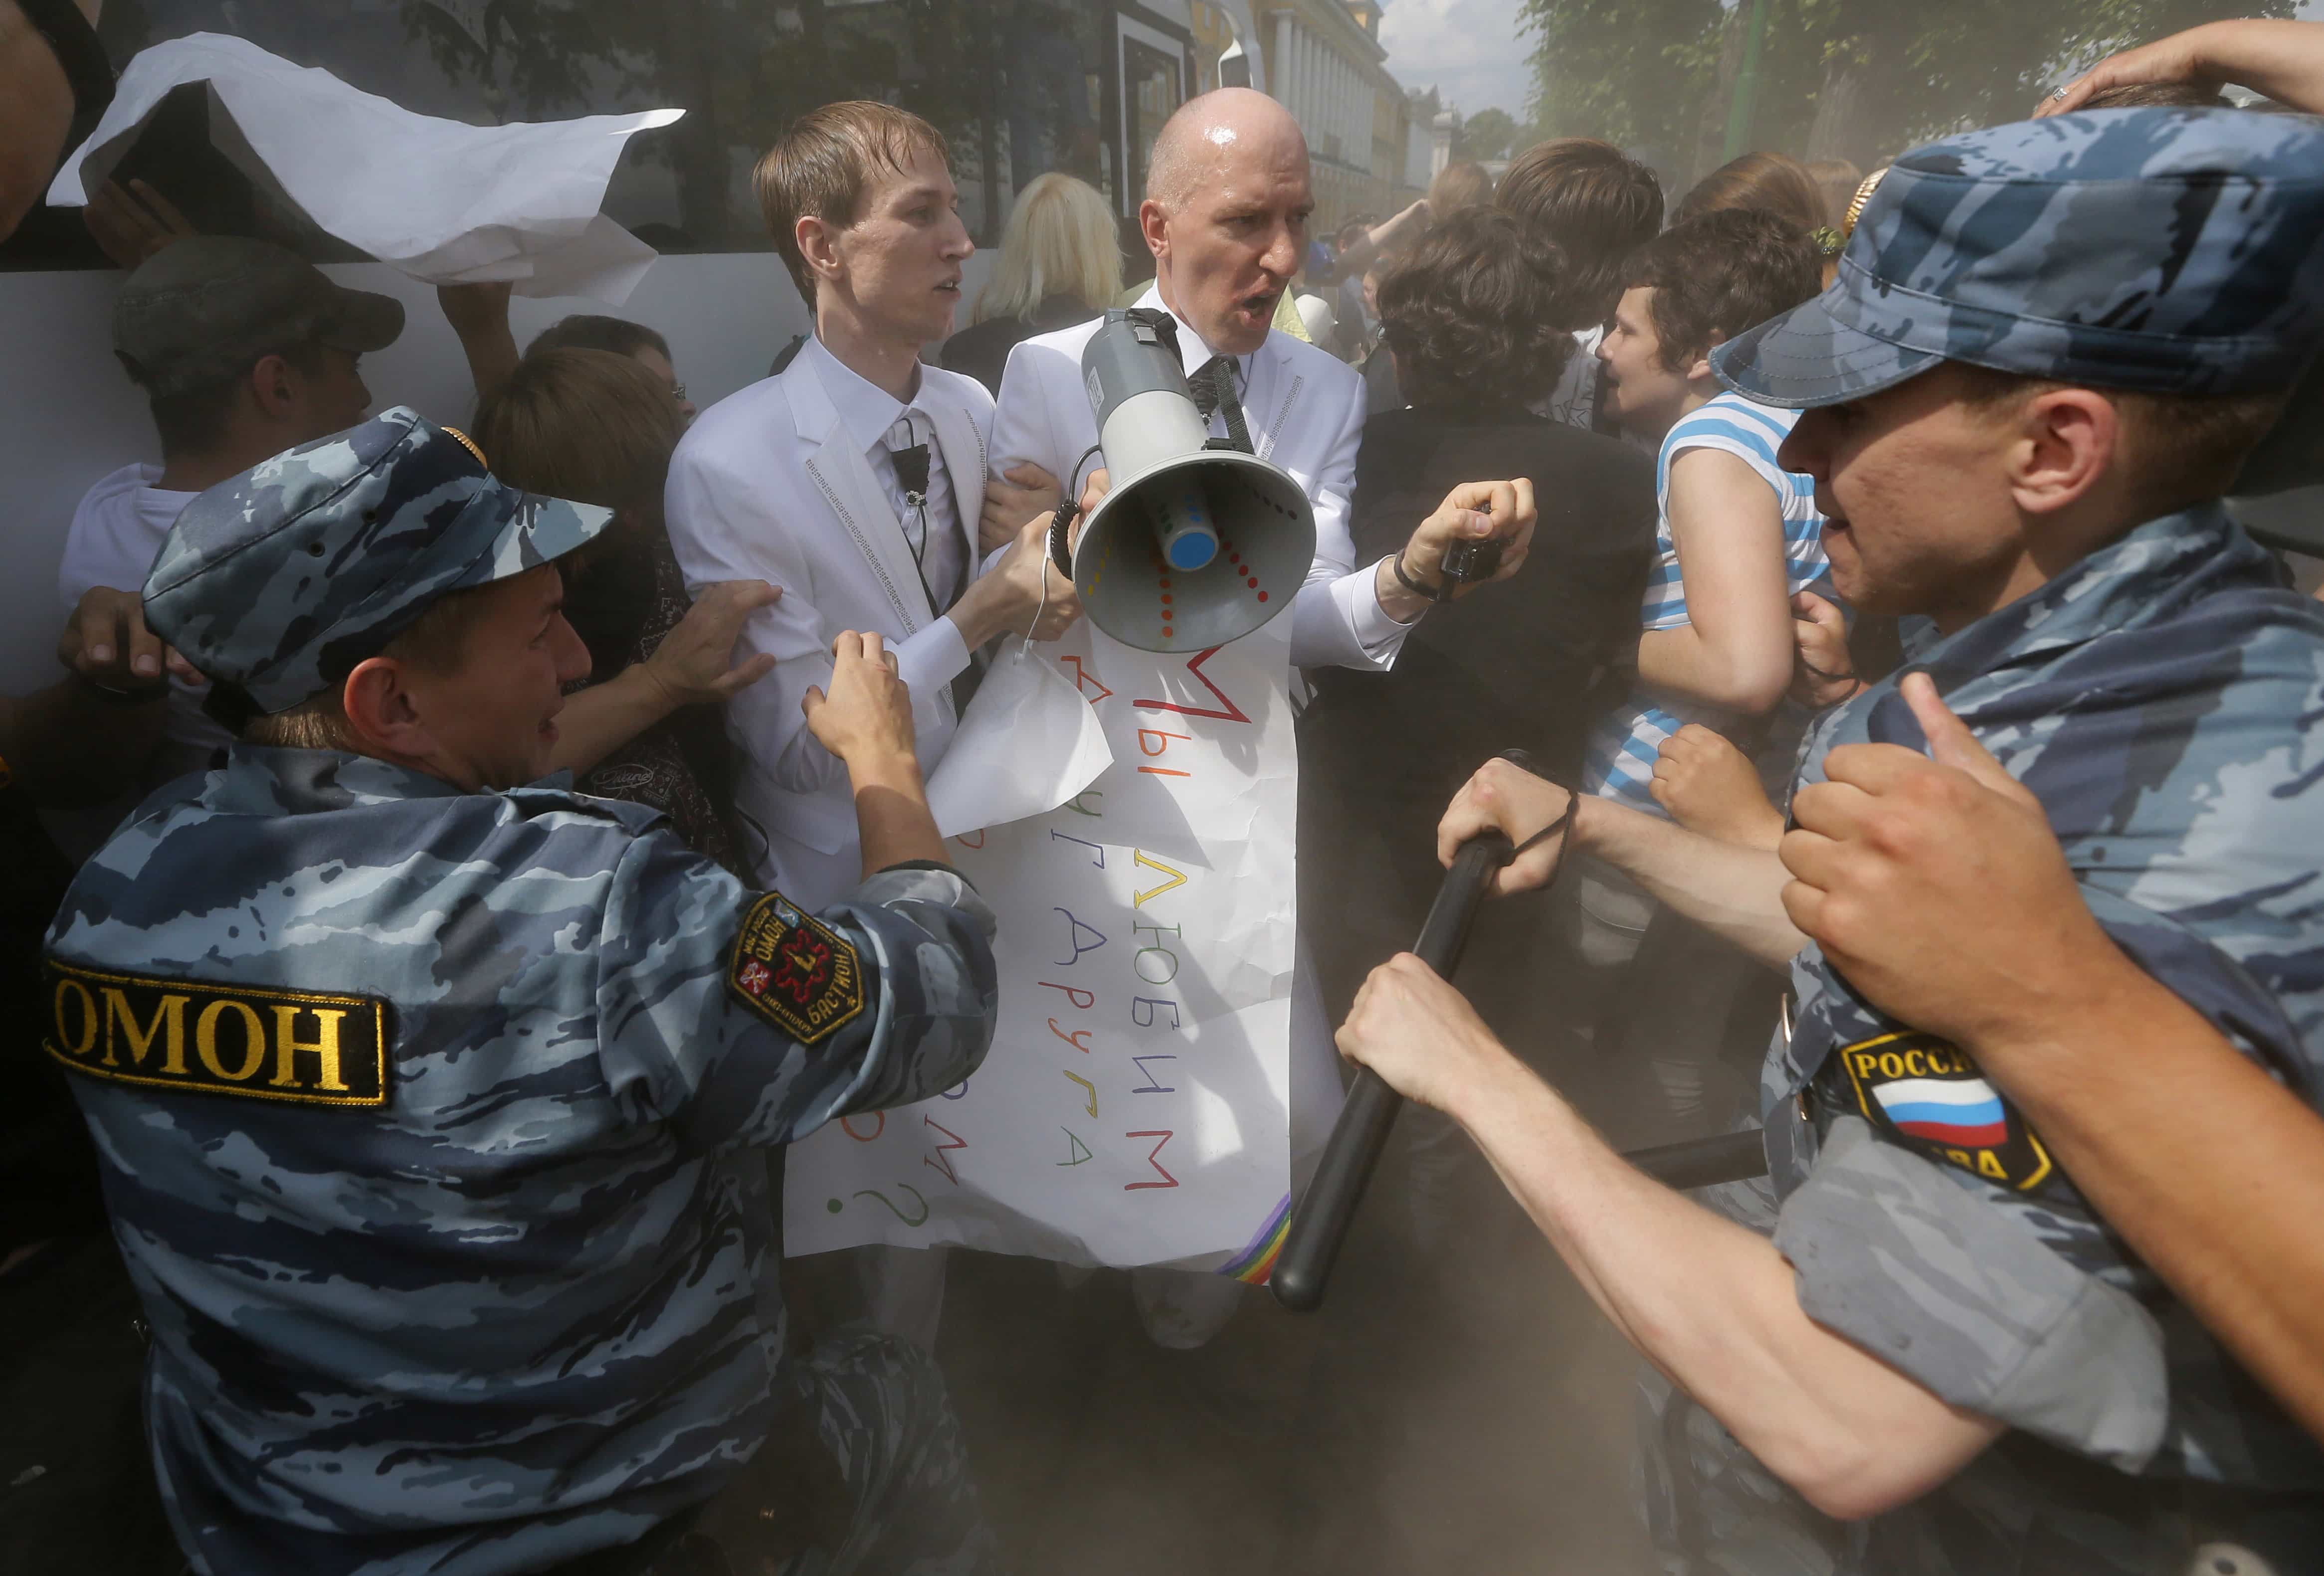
[(1504, 797), (1936, 884), (1417, 1032)]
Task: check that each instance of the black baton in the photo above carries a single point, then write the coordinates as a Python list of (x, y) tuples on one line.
[(1320, 1221)]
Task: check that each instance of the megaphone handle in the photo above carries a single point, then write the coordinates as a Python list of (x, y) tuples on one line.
[(1320, 1223), (1061, 535), (1061, 546)]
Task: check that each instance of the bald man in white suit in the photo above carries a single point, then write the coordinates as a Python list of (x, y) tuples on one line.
[(1225, 215)]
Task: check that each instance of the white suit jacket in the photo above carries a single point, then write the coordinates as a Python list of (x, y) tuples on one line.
[(768, 485), (1305, 409)]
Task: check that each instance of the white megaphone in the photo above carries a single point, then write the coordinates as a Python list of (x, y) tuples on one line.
[(1196, 543)]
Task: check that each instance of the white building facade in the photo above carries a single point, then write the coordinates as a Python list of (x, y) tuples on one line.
[(1326, 65)]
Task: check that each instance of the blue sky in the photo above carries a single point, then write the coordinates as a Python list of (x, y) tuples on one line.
[(1470, 50)]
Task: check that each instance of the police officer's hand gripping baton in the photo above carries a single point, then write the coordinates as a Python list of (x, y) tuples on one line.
[(1320, 1221)]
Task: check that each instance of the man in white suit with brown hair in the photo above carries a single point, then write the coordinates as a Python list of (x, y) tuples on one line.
[(1225, 215), (852, 480)]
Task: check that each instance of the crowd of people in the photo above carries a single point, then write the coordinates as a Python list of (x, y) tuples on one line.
[(454, 863)]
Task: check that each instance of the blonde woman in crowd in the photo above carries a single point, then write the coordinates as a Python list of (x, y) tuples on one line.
[(1060, 264)]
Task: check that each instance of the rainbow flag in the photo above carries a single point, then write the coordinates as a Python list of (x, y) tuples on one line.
[(1256, 1262), (1960, 1113)]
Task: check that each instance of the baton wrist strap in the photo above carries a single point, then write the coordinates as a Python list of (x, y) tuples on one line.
[(1552, 829), (1523, 761), (1436, 593)]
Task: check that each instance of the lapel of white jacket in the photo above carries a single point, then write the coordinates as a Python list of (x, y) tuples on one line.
[(963, 446), (865, 518), (1271, 402)]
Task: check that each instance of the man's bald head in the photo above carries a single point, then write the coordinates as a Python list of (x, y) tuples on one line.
[(1212, 133), (1225, 215)]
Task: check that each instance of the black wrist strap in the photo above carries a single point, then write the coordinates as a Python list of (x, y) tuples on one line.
[(1553, 828), (1436, 593), (1523, 761)]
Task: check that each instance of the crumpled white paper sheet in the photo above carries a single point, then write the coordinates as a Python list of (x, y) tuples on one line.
[(1027, 743), (446, 203)]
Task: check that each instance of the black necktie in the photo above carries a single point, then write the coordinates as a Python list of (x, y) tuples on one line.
[(1214, 388), (911, 462)]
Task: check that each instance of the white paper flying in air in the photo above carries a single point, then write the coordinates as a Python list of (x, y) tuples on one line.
[(445, 202)]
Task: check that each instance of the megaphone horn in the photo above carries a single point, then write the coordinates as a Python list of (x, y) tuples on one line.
[(1196, 543)]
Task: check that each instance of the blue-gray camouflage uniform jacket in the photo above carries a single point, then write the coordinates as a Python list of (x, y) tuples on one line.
[(2160, 699), (424, 1119)]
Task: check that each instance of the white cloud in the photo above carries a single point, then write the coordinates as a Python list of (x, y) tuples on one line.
[(1469, 49)]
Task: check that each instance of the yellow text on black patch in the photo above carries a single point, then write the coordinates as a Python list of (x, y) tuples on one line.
[(1930, 1095), (218, 1038), (795, 971)]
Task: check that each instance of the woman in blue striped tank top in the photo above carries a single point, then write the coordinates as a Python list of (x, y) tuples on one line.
[(1738, 536)]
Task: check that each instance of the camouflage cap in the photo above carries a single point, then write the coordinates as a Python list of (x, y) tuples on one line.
[(280, 580), (205, 309), (2167, 250)]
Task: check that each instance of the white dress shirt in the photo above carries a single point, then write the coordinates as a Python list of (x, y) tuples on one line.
[(1304, 410)]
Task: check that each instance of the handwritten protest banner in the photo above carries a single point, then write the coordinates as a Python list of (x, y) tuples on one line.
[(1134, 1108)]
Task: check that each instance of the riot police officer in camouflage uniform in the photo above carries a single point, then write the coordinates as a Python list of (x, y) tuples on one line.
[(2049, 349), (428, 1101)]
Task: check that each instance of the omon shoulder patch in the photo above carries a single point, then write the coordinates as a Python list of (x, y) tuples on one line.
[(795, 970), (218, 1038), (1929, 1093)]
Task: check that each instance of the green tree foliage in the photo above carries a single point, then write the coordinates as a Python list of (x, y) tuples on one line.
[(1489, 134), (1632, 72), (1644, 71)]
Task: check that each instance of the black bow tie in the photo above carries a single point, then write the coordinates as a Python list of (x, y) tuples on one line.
[(1214, 388)]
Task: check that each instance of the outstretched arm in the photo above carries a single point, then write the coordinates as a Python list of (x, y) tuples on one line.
[(1733, 891), (2282, 60), (693, 666), (1708, 1301), (1397, 230), (479, 316)]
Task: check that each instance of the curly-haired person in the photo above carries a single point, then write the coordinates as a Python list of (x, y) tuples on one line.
[(1596, 205), (1474, 317)]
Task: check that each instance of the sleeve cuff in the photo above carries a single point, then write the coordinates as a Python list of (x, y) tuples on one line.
[(1897, 1256), (1380, 636), (918, 880), (932, 658), (937, 865)]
